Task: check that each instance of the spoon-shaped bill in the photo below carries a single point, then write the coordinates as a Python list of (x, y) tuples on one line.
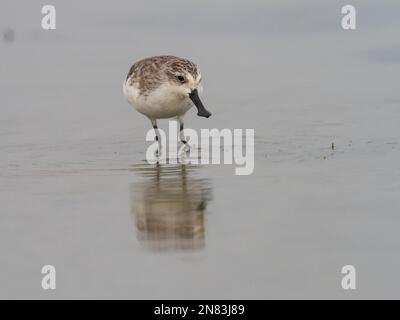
[(201, 111)]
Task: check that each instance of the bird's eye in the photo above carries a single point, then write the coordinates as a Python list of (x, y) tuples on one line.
[(181, 79)]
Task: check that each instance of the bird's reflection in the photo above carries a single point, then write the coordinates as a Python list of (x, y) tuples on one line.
[(168, 207)]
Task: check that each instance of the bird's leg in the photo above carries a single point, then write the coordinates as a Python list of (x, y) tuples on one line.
[(181, 136), (158, 137)]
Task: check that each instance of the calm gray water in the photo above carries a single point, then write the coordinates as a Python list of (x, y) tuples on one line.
[(76, 192)]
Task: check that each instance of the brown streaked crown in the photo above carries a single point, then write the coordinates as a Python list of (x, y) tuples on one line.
[(149, 73)]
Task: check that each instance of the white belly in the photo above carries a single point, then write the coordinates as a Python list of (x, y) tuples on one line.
[(159, 104)]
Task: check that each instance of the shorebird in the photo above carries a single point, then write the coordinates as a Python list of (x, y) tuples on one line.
[(164, 87)]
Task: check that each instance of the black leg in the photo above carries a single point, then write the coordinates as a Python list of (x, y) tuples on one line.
[(155, 129), (158, 138), (183, 139), (154, 124)]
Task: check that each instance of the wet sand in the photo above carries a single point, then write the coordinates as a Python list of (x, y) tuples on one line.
[(76, 192)]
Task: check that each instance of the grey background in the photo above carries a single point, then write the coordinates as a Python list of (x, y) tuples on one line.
[(72, 150)]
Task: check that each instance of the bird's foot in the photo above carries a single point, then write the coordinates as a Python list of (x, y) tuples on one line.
[(185, 147), (157, 153)]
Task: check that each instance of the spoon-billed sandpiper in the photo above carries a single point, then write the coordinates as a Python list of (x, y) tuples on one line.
[(164, 87)]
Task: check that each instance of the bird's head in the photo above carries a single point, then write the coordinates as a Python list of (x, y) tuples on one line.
[(185, 80)]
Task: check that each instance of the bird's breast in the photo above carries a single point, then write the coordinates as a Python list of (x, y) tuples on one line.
[(159, 103)]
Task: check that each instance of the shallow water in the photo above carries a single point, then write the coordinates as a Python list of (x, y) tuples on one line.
[(77, 193)]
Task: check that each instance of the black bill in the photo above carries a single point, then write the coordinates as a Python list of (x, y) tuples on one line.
[(201, 111)]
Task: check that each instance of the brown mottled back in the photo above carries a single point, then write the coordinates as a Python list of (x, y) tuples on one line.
[(149, 73)]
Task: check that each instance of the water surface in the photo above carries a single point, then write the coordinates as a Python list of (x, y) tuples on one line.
[(76, 193)]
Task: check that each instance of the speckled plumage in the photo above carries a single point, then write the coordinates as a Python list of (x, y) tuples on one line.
[(150, 73), (164, 87)]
